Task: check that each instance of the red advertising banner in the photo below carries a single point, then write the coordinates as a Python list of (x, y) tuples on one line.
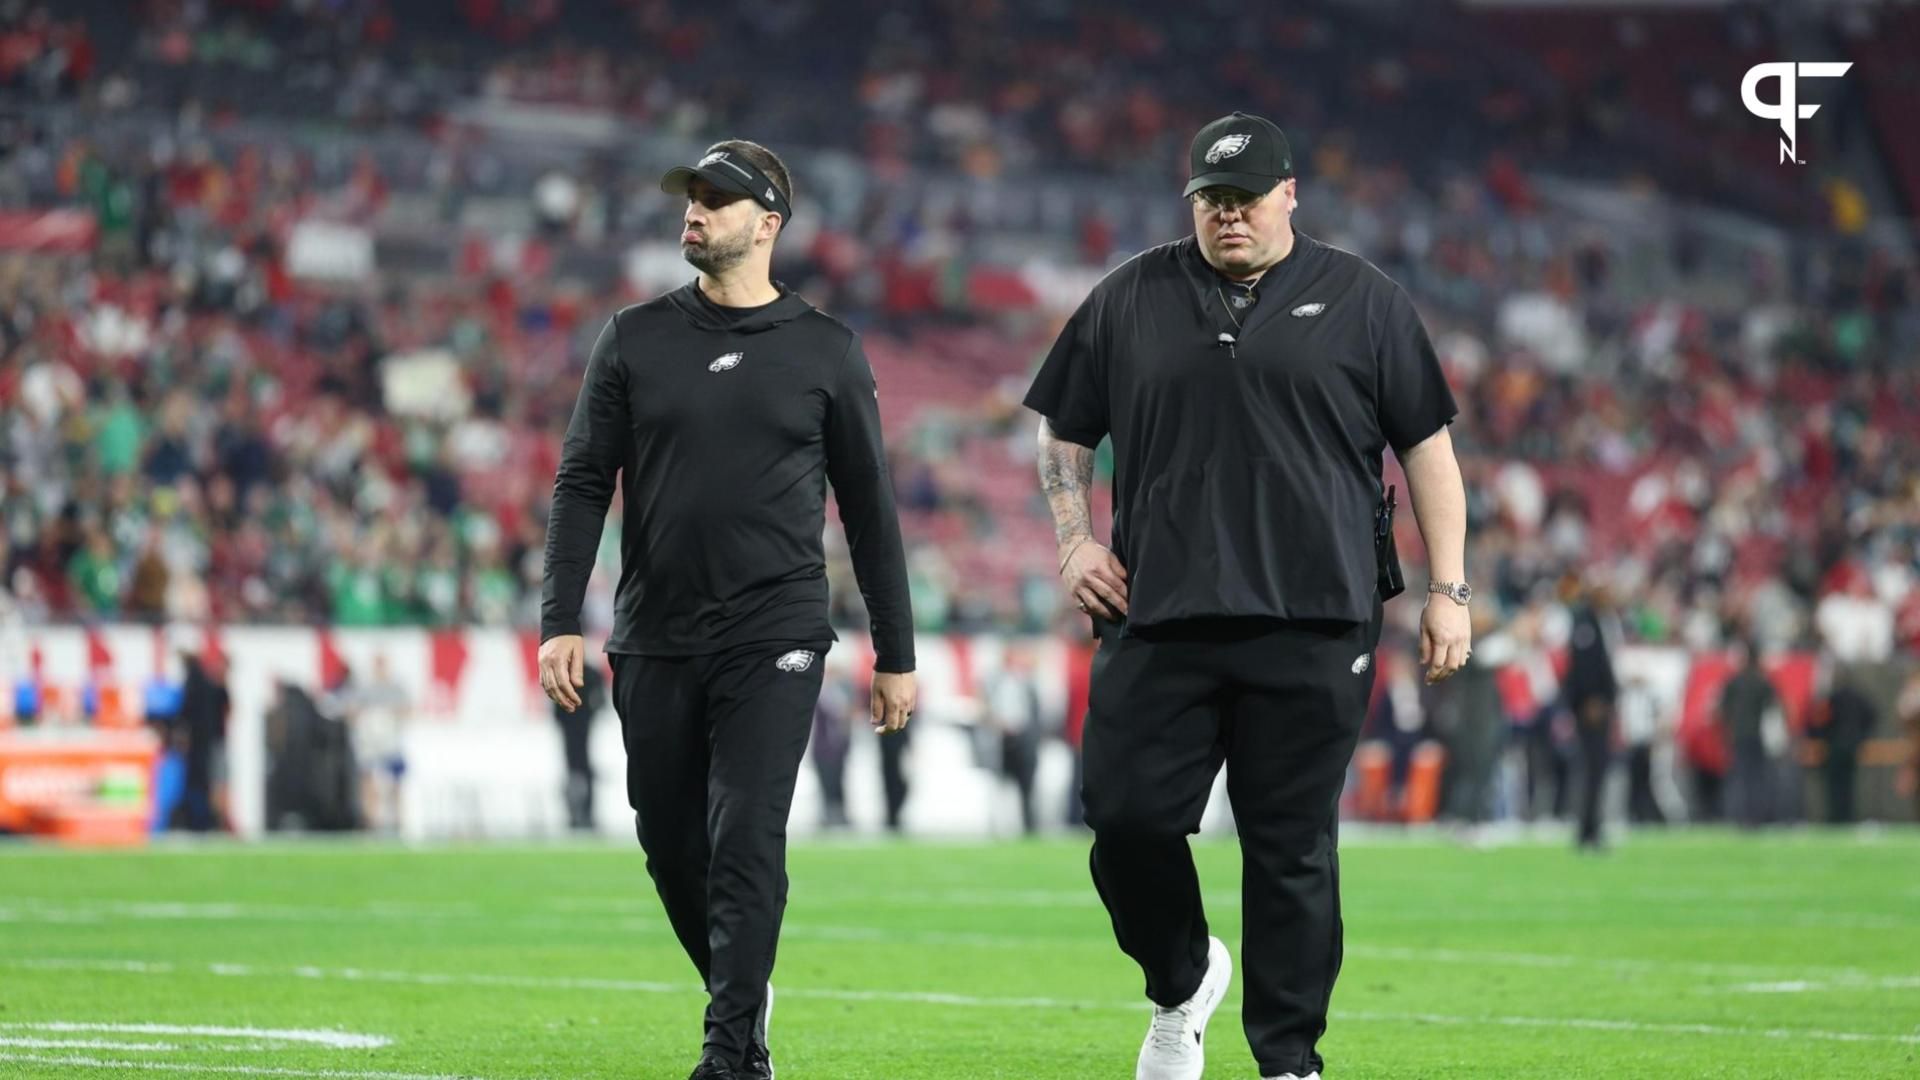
[(79, 785)]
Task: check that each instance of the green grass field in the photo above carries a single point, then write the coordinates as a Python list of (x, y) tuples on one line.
[(1692, 955)]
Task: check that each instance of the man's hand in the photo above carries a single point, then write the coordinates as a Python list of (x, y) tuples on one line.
[(563, 669), (1446, 638), (1095, 579), (894, 694)]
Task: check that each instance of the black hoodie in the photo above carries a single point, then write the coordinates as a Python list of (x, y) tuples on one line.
[(728, 424)]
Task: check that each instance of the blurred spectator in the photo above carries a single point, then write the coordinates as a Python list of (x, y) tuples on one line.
[(1755, 731), (202, 731), (1850, 721), (1640, 725), (1014, 722), (833, 722), (1908, 710), (576, 732), (377, 714), (1592, 691), (894, 784), (1471, 723)]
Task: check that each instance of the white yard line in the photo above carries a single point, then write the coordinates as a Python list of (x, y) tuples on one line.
[(30, 1043), (1631, 1026), (538, 982), (226, 1070), (334, 1040), (1568, 960), (1751, 973), (92, 912), (1811, 986)]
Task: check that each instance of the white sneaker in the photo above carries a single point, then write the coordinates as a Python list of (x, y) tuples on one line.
[(1176, 1046), (1293, 1076)]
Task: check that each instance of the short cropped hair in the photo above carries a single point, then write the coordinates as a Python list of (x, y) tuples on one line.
[(763, 159)]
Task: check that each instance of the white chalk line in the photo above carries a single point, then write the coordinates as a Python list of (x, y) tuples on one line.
[(228, 1070), (28, 1043), (1633, 1027), (538, 982), (333, 1040), (801, 931), (1812, 986), (1753, 973), (638, 915), (1705, 968)]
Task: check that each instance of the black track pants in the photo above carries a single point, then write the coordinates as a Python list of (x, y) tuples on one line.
[(713, 748), (1281, 704)]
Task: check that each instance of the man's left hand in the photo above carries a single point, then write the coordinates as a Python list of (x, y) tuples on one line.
[(894, 694), (1446, 638)]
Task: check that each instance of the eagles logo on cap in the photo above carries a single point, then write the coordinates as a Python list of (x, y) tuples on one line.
[(1226, 147), (1240, 151)]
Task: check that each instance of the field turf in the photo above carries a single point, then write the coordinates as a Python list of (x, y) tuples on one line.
[(1698, 954)]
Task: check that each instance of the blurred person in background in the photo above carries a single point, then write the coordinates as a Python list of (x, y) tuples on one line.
[(1591, 692), (1749, 710), (724, 409), (833, 718), (1850, 722), (1013, 719), (1473, 721), (1401, 716), (1907, 707), (895, 783), (202, 724), (377, 713), (1251, 377), (1639, 729), (576, 735), (1545, 770)]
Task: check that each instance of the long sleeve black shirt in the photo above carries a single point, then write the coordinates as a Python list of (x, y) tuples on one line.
[(726, 424)]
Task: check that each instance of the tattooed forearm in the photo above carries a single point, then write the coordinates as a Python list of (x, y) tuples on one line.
[(1066, 475)]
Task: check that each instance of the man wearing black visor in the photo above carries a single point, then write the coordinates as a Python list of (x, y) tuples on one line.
[(725, 407), (1250, 377)]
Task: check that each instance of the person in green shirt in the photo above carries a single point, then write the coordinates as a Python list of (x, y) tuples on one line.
[(119, 436), (95, 573), (359, 595)]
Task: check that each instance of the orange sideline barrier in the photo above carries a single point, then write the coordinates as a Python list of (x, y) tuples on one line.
[(78, 785)]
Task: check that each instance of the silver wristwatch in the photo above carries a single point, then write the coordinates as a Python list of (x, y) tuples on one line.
[(1457, 591)]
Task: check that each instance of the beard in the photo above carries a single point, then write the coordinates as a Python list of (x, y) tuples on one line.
[(718, 254)]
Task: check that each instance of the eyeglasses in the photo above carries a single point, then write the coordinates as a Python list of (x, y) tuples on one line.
[(1225, 199)]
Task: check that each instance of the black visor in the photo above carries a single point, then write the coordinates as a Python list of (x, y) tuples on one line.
[(730, 172)]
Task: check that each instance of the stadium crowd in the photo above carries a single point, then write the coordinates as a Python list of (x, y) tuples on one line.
[(193, 429)]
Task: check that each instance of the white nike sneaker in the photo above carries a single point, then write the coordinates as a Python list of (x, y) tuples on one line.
[(1293, 1076), (1176, 1047)]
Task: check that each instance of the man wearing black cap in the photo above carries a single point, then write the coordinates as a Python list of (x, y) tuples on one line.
[(1250, 377), (726, 406)]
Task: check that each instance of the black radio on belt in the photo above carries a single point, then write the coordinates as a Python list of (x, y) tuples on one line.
[(1386, 556)]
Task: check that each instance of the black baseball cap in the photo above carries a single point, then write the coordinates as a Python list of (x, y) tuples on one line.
[(729, 171), (1239, 151)]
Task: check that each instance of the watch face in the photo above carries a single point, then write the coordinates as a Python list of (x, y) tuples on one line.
[(1464, 591)]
